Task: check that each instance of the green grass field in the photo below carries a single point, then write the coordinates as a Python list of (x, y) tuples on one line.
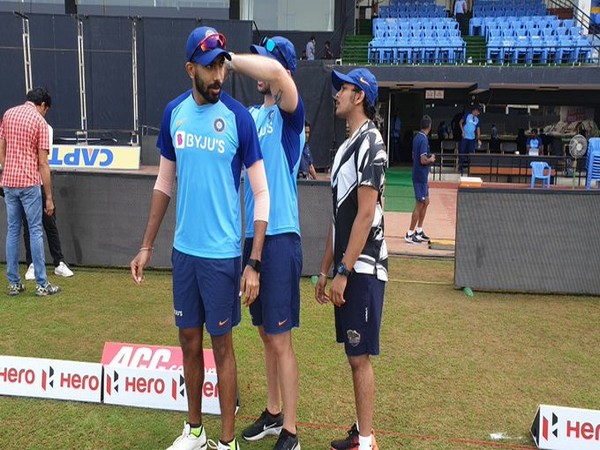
[(399, 192), (452, 370)]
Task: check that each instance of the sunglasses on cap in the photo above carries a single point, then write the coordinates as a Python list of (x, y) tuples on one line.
[(211, 42), (272, 48)]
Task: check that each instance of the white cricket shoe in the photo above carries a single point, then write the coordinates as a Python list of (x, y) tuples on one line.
[(30, 274), (62, 270), (188, 441)]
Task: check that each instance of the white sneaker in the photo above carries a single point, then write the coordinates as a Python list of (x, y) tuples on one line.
[(62, 270), (30, 274), (187, 441), (233, 445)]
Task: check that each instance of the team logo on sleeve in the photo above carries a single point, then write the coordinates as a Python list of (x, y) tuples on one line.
[(180, 139), (219, 125)]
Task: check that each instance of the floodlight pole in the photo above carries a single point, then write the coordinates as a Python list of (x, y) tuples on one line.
[(134, 77), (82, 96), (26, 52)]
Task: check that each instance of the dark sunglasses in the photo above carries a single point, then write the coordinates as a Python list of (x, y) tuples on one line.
[(211, 42), (272, 48)]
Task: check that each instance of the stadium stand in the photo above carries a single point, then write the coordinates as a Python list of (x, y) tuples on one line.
[(523, 32), (416, 41)]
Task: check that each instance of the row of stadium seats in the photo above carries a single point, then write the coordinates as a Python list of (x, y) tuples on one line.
[(416, 41), (385, 28), (429, 10), (480, 26), (412, 3), (491, 8), (539, 49), (417, 51)]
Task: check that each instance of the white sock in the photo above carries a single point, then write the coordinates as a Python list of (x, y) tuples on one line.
[(410, 232), (419, 230), (364, 443)]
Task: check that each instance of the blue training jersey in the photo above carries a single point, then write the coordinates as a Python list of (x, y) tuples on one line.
[(420, 172), (209, 144), (470, 125), (282, 139)]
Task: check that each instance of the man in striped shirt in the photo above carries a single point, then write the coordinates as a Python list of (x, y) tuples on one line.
[(24, 147)]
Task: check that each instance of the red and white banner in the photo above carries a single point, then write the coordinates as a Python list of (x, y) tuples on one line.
[(51, 378), (151, 376), (561, 428)]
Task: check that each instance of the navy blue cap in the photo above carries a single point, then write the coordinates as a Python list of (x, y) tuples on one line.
[(194, 53), (361, 78), (284, 52)]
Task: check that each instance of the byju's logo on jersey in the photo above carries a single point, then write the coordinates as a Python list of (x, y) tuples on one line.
[(180, 139), (185, 140), (219, 125)]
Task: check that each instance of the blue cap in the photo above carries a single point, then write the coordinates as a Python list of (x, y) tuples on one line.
[(195, 54), (284, 52), (361, 78)]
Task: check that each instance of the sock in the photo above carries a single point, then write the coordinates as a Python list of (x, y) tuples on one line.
[(408, 233), (364, 443), (227, 443), (274, 416), (419, 229), (283, 430), (195, 429)]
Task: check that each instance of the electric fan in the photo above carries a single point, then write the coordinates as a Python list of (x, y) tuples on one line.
[(577, 148)]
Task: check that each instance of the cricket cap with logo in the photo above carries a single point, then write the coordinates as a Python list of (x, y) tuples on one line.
[(204, 45), (361, 78), (279, 48)]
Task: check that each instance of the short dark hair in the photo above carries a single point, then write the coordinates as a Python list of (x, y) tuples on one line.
[(313, 38), (425, 122), (534, 130), (306, 123), (39, 95)]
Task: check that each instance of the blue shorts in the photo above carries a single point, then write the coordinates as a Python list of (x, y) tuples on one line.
[(277, 307), (421, 191), (206, 291), (358, 321)]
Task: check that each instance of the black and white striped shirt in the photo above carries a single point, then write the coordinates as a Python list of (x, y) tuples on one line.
[(359, 161)]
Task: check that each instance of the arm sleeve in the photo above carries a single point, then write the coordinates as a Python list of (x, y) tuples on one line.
[(166, 176), (258, 183)]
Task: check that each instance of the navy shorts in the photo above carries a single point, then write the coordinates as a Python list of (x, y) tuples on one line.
[(358, 321), (277, 307), (421, 191), (206, 291)]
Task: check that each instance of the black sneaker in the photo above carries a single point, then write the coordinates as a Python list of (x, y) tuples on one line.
[(15, 289), (49, 289), (350, 442), (422, 237), (265, 425), (287, 442), (412, 238)]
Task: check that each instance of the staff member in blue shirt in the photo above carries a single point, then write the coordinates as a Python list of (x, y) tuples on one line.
[(205, 138), (421, 162), (469, 126)]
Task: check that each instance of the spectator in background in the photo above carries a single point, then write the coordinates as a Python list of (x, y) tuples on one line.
[(521, 142), (460, 9), (455, 127), (24, 147), (307, 169), (534, 144), (422, 159), (310, 48), (469, 126), (494, 139), (327, 53)]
